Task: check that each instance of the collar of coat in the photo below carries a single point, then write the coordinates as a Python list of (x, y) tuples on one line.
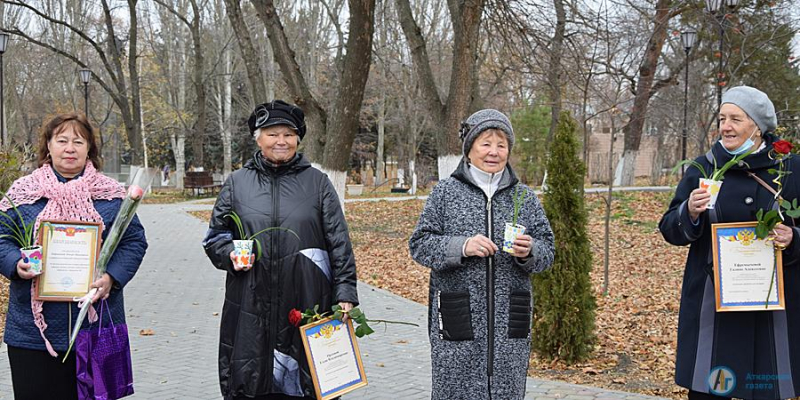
[(261, 164), (755, 161), (462, 173)]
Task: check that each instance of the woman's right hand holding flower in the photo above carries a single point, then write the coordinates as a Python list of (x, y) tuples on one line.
[(24, 270), (698, 200), (480, 246)]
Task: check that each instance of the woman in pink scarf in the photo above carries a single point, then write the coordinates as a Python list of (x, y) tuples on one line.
[(67, 187)]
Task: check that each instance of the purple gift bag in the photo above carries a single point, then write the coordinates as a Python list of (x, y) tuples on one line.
[(103, 357)]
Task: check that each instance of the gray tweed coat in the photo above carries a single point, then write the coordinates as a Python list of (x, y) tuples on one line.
[(479, 313)]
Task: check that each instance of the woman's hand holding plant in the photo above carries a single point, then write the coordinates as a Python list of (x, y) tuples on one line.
[(522, 246), (480, 246), (247, 267), (345, 307), (698, 200), (24, 270), (781, 235)]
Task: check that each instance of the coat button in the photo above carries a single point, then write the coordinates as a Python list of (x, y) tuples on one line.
[(748, 200)]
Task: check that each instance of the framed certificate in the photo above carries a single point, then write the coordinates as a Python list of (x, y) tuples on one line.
[(333, 357), (69, 254), (748, 272)]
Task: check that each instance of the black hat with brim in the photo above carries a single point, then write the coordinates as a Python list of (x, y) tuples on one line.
[(278, 112)]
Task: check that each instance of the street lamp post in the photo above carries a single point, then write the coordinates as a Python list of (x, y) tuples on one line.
[(86, 75), (3, 43), (720, 9), (688, 38)]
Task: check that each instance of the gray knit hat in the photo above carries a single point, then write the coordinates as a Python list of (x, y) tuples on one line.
[(756, 104), (481, 121)]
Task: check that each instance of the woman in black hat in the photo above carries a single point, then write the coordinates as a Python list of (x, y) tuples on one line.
[(260, 353)]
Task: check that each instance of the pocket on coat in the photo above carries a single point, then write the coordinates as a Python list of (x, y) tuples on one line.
[(455, 319), (519, 314)]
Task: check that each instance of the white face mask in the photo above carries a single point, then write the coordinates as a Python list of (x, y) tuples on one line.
[(744, 147)]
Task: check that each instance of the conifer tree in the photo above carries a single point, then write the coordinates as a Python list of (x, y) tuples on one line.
[(564, 306)]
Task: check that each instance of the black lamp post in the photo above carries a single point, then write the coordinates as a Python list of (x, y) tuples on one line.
[(3, 43), (688, 38), (86, 75), (720, 9)]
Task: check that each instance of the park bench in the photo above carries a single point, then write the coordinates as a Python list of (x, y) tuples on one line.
[(199, 182)]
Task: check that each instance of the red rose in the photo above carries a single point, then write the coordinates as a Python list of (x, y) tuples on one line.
[(295, 317), (782, 147)]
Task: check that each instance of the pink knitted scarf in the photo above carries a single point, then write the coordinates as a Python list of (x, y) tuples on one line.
[(70, 201)]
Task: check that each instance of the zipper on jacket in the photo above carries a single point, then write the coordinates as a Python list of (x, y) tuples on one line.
[(490, 302), (273, 280)]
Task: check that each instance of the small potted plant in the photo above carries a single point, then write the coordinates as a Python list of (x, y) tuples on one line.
[(513, 229), (713, 182), (22, 233), (243, 247)]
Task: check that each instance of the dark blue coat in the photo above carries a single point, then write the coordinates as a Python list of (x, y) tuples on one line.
[(20, 330), (761, 348)]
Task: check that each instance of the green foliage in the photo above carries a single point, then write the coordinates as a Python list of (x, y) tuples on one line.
[(529, 152), (21, 233), (11, 165), (243, 232), (563, 322), (519, 200)]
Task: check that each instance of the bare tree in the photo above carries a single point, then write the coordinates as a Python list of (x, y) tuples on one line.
[(447, 114), (198, 74), (124, 87)]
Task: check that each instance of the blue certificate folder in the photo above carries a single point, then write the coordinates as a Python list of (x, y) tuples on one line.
[(325, 329), (744, 234)]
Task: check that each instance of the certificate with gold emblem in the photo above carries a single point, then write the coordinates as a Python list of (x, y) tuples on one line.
[(748, 272), (333, 357), (69, 254)]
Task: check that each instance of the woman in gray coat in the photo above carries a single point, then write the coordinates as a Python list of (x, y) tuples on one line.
[(480, 296)]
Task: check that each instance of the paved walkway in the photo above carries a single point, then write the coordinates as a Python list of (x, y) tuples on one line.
[(178, 295)]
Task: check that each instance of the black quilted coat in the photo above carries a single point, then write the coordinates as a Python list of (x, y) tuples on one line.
[(259, 351)]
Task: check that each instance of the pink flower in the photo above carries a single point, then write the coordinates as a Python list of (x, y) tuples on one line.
[(135, 192)]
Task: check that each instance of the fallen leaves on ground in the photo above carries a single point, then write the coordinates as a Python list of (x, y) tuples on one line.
[(146, 332)]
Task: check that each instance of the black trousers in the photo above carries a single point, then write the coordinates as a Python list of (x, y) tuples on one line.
[(37, 375)]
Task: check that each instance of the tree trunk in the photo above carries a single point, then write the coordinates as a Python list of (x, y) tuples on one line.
[(466, 17), (226, 121), (343, 125), (554, 72), (178, 144), (198, 73), (344, 122), (135, 134), (316, 117), (380, 164), (647, 70), (257, 88)]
